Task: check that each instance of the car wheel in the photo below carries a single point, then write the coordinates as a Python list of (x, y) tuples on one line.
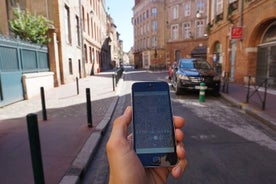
[(177, 88), (215, 91)]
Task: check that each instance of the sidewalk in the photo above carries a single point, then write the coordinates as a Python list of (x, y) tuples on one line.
[(237, 96), (66, 140)]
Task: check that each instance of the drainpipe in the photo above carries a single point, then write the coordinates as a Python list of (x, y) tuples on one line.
[(241, 16), (82, 46)]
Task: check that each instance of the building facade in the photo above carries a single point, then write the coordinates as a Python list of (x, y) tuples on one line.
[(186, 29), (242, 39), (166, 30), (114, 43), (149, 34), (79, 35)]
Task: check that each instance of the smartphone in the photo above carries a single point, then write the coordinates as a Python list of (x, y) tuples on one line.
[(153, 128)]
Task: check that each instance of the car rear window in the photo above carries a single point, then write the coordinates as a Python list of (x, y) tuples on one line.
[(187, 64), (201, 65), (194, 64)]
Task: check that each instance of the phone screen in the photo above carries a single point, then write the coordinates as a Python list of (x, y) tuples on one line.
[(154, 140)]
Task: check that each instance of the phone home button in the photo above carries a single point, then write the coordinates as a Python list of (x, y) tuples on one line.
[(156, 160)]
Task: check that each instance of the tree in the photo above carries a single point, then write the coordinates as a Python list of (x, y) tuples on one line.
[(30, 28)]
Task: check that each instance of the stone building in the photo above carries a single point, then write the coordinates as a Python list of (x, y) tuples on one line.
[(242, 39), (79, 35), (186, 29), (149, 41), (166, 30), (114, 42)]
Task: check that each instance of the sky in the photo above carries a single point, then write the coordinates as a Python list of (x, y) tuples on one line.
[(121, 13)]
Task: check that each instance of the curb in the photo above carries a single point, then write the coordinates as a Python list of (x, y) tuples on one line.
[(79, 165), (265, 119)]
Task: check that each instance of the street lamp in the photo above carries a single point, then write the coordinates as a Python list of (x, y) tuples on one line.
[(198, 14)]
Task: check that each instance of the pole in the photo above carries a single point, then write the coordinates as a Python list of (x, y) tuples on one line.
[(248, 89), (113, 82), (35, 148), (265, 93), (202, 92), (77, 82), (89, 108), (44, 112)]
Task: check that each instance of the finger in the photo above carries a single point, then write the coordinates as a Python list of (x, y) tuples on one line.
[(120, 125), (179, 122), (178, 170), (179, 135), (180, 151)]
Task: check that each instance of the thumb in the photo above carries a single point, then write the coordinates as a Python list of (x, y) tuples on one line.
[(121, 124)]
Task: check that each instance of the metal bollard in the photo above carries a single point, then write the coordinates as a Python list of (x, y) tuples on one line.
[(113, 82), (44, 112), (202, 92), (89, 108), (77, 82), (35, 148)]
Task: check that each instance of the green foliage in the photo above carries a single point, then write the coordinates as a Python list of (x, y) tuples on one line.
[(30, 28)]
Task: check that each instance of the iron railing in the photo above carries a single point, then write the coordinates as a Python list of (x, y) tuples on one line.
[(256, 88), (225, 83)]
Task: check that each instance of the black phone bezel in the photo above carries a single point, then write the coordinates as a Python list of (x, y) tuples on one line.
[(154, 159)]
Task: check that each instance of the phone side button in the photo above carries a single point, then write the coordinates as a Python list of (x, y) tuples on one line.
[(156, 160)]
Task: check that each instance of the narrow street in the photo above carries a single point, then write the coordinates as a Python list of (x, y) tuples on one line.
[(223, 144)]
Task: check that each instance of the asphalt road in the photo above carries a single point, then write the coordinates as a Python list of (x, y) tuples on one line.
[(223, 144)]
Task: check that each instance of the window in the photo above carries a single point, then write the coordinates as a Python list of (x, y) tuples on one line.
[(187, 9), (174, 32), (219, 7), (145, 28), (90, 54), (92, 28), (70, 66), (200, 5), (199, 28), (88, 26), (85, 53), (154, 26), (175, 12), (187, 30), (154, 42), (154, 12), (83, 22), (67, 24), (77, 30)]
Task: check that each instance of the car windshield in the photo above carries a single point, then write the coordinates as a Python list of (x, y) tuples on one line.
[(194, 64)]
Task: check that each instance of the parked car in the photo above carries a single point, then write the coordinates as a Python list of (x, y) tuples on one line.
[(190, 72)]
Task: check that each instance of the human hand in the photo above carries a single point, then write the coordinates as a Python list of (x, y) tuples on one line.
[(125, 166)]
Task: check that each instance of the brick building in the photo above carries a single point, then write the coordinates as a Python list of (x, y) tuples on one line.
[(242, 39), (186, 33), (166, 30)]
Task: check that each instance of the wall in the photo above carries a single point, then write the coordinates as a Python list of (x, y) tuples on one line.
[(33, 81)]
